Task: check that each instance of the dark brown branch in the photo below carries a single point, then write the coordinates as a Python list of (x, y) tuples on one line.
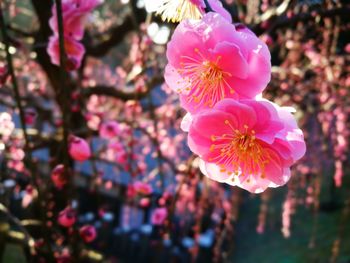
[(116, 36), (123, 95), (284, 21)]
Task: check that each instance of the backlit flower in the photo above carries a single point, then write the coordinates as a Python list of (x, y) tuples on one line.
[(178, 10), (247, 143), (74, 52), (218, 60), (74, 14)]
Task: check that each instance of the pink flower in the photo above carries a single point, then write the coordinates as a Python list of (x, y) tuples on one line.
[(109, 130), (130, 191), (4, 73), (218, 60), (88, 233), (67, 217), (247, 143), (74, 51), (30, 116), (144, 202), (143, 188), (79, 149), (158, 216), (58, 177), (74, 13)]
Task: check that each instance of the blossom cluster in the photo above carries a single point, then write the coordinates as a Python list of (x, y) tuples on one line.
[(219, 73), (74, 15)]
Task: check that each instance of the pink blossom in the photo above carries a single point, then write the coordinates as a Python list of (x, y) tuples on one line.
[(109, 130), (159, 215), (88, 233), (247, 143), (130, 191), (74, 13), (143, 188), (144, 202), (67, 217), (218, 60), (4, 73), (58, 176), (30, 116), (74, 51), (79, 149)]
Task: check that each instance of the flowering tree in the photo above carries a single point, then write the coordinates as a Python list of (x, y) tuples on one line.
[(128, 129)]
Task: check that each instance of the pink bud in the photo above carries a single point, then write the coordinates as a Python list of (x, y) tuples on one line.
[(30, 116), (79, 149), (58, 177), (67, 217), (347, 48), (3, 75), (144, 202), (88, 233)]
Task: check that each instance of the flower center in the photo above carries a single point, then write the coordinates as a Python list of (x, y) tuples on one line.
[(205, 80), (239, 152), (178, 10)]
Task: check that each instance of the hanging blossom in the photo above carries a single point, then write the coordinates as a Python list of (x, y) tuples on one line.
[(74, 14), (247, 143), (218, 60), (178, 10)]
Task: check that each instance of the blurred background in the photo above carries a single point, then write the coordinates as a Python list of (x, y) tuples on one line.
[(140, 197)]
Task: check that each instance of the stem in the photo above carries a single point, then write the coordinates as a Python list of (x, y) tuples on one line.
[(159, 152), (65, 89), (208, 7)]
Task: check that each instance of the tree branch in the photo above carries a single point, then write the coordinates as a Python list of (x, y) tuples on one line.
[(123, 95), (116, 36)]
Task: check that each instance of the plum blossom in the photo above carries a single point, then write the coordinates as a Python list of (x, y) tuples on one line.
[(79, 149), (144, 202), (178, 10), (247, 143), (4, 74), (67, 217), (143, 188), (74, 14), (218, 60), (74, 50), (88, 233), (30, 116), (159, 215)]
